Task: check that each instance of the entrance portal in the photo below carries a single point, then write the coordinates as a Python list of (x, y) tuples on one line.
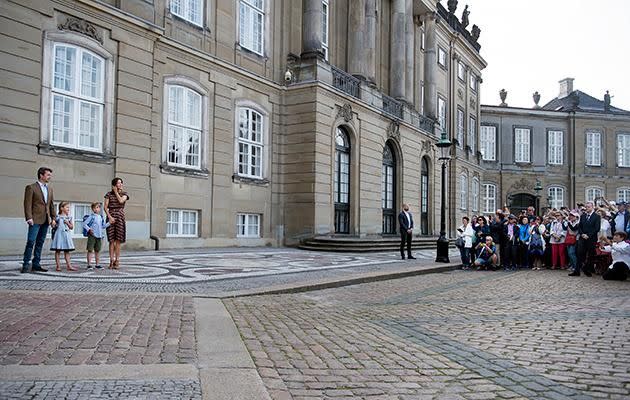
[(520, 202)]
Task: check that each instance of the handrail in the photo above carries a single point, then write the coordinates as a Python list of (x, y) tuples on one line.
[(345, 82)]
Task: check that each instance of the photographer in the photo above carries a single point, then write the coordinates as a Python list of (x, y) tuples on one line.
[(620, 250), (487, 257)]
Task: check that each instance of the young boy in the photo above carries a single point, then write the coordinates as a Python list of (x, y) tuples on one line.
[(95, 226)]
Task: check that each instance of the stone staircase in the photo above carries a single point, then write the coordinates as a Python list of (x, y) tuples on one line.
[(353, 244)]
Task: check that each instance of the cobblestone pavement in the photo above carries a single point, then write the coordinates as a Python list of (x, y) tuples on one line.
[(206, 271), (101, 389), (458, 335), (76, 329)]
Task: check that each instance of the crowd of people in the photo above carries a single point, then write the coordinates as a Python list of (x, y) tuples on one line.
[(589, 239)]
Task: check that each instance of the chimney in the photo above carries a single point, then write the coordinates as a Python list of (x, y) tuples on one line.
[(566, 87)]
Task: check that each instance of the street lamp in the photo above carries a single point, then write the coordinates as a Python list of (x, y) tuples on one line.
[(442, 243), (538, 187)]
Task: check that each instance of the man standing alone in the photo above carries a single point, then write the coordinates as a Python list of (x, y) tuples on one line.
[(590, 223), (405, 220), (39, 212)]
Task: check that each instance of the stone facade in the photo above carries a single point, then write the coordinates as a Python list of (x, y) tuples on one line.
[(139, 55), (568, 171)]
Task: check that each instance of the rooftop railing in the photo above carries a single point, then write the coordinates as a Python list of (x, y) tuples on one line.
[(345, 82), (392, 106)]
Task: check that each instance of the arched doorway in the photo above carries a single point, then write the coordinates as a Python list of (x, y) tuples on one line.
[(520, 201), (342, 182), (424, 196), (388, 190)]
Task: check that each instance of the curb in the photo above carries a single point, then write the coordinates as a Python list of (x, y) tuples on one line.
[(355, 279)]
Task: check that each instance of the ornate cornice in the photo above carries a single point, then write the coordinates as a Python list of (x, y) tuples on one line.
[(81, 26)]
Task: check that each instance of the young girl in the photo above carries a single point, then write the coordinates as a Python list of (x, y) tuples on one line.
[(62, 239)]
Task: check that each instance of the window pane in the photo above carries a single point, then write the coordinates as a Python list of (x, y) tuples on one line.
[(91, 70), (64, 74), (63, 116), (176, 104), (89, 125)]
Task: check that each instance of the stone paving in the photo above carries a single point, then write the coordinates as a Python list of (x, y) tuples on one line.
[(458, 335)]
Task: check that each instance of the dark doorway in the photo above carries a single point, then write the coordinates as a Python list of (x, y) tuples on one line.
[(342, 182), (388, 190), (520, 202), (424, 197)]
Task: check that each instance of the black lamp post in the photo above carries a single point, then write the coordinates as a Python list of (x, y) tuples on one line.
[(442, 243), (538, 188)]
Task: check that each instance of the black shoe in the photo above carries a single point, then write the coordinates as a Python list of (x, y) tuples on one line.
[(587, 273), (402, 257), (38, 269), (24, 270), (574, 274), (98, 267), (411, 257)]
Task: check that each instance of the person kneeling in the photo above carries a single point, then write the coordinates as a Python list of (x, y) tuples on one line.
[(487, 256), (620, 249)]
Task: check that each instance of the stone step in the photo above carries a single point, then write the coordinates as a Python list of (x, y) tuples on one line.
[(355, 244)]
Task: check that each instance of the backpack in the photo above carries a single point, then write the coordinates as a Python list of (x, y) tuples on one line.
[(86, 224), (535, 241)]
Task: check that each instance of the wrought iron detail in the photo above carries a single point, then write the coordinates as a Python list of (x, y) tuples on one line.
[(392, 106), (345, 82)]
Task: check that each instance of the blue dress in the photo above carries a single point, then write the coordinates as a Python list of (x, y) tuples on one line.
[(62, 239)]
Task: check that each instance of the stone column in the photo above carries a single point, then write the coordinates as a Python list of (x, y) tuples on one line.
[(311, 28), (409, 51), (370, 40), (397, 51), (356, 38), (430, 66)]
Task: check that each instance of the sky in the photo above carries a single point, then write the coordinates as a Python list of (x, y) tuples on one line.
[(530, 45)]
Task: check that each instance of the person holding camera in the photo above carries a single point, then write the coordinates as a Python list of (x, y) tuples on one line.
[(466, 233), (487, 257)]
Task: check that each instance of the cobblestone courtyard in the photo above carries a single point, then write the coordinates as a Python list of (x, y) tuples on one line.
[(460, 335)]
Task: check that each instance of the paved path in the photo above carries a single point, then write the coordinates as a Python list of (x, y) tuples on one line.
[(459, 335)]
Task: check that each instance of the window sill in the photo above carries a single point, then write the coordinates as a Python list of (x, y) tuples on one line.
[(75, 154), (236, 178), (181, 171), (178, 18), (181, 237), (251, 53)]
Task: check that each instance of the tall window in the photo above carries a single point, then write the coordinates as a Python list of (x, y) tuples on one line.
[(461, 71), (623, 194), (252, 25), (472, 134), (555, 147), (489, 198), (181, 223), (388, 190), (556, 197), (77, 98), (475, 194), (473, 81), (422, 99), (341, 190), (521, 145), (441, 56), (442, 113), (593, 148), (488, 142), (248, 225), (460, 128), (593, 192), (184, 127), (623, 149), (325, 28), (463, 192), (190, 10), (250, 143)]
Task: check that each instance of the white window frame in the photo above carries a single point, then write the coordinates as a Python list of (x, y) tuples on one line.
[(623, 149), (556, 196), (463, 192), (461, 128), (187, 127), (442, 113), (461, 71), (522, 147), (472, 81), (243, 220), (593, 148), (592, 192), (441, 56), (488, 142), (623, 194), (184, 8), (248, 12), (180, 222), (472, 133), (489, 198), (262, 144), (422, 98), (422, 39), (475, 194), (89, 45), (555, 147), (325, 27), (187, 83)]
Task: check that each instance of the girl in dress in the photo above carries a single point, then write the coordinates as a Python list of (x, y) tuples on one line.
[(62, 239)]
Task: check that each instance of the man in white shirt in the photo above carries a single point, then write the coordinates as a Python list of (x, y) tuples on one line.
[(620, 249), (405, 220), (622, 218)]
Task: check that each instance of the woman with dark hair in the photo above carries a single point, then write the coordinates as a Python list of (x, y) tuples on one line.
[(115, 209)]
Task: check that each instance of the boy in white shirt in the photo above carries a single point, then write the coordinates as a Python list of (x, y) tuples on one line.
[(620, 249)]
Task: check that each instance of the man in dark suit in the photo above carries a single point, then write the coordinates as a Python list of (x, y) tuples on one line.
[(39, 213), (405, 220), (588, 228)]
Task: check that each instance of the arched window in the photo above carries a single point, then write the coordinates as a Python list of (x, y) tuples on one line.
[(556, 197), (388, 190), (463, 191), (593, 192), (424, 196), (250, 139), (489, 198), (184, 127), (475, 194), (342, 182)]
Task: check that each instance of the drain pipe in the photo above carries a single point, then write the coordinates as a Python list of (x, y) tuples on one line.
[(156, 240)]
